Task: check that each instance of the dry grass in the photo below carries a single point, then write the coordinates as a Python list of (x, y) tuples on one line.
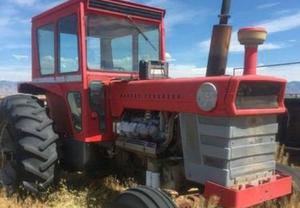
[(292, 201), (282, 156), (76, 192), (79, 191)]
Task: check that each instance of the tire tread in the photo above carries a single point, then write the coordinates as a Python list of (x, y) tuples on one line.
[(36, 146)]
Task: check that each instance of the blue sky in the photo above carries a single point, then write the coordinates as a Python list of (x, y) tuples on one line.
[(188, 23)]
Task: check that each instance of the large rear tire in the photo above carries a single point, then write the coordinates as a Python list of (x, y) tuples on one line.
[(28, 149), (143, 197)]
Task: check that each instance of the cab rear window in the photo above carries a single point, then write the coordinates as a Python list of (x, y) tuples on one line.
[(45, 38), (68, 44)]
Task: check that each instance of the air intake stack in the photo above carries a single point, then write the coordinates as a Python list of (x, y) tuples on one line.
[(251, 38), (220, 41)]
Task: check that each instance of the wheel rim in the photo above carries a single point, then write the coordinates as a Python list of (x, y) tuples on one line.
[(7, 157)]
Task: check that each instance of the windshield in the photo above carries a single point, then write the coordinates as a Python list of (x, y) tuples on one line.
[(117, 44)]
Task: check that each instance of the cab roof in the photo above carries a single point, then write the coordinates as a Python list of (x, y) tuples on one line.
[(118, 6)]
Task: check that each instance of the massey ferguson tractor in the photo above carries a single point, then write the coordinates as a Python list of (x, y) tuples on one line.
[(101, 66)]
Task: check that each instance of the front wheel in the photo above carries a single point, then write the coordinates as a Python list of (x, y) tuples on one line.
[(143, 197), (28, 153)]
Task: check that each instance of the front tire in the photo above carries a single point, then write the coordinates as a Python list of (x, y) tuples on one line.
[(143, 197), (28, 149)]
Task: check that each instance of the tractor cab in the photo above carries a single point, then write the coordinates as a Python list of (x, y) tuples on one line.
[(83, 45), (95, 37)]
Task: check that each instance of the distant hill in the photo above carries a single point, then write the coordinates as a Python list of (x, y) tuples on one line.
[(293, 88), (8, 88)]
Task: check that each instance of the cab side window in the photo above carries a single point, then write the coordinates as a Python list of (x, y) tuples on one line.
[(68, 44), (45, 38), (74, 99)]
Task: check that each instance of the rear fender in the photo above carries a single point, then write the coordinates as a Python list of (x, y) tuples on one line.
[(57, 104)]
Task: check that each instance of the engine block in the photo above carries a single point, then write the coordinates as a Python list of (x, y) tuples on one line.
[(139, 129)]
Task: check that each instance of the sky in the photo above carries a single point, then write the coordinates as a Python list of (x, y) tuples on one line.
[(188, 30)]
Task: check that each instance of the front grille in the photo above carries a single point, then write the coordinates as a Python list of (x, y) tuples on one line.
[(255, 95), (110, 6), (229, 151)]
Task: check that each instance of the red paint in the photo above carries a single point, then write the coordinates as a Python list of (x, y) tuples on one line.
[(179, 95), (250, 60), (252, 195), (232, 95)]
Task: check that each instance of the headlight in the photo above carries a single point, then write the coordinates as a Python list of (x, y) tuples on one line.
[(207, 96)]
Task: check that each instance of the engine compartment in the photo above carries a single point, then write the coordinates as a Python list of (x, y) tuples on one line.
[(148, 133)]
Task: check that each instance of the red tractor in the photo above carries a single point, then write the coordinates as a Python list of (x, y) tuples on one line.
[(101, 66)]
